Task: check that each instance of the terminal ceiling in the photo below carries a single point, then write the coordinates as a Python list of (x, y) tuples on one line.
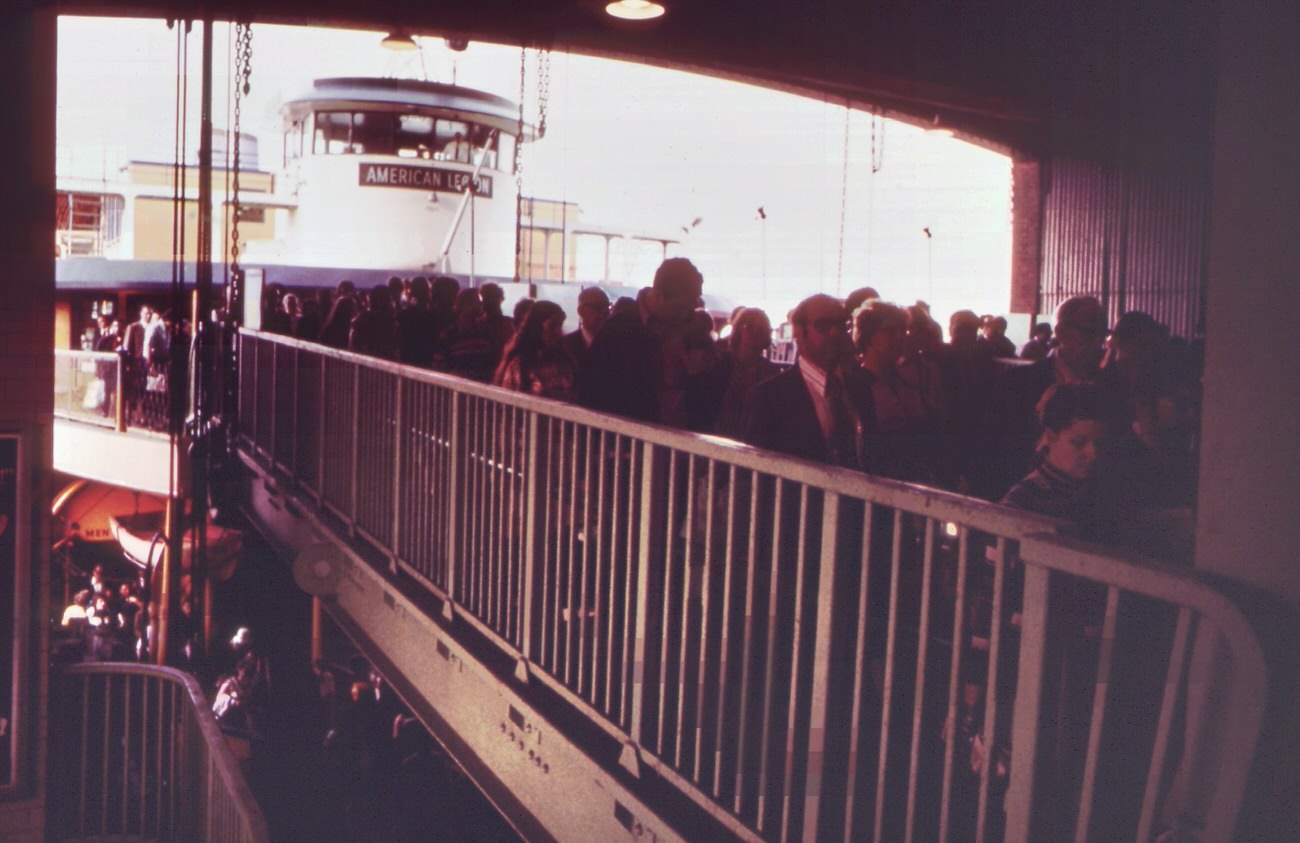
[(1039, 78)]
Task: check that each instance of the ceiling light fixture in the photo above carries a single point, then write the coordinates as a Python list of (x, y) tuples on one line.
[(399, 40), (635, 9)]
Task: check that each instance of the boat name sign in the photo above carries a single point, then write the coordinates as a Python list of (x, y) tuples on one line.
[(423, 178)]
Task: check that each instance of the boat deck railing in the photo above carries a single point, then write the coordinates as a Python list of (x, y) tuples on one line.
[(802, 652), (138, 757), (105, 389)]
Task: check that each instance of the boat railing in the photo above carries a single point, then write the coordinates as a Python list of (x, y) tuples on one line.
[(109, 389), (88, 387), (138, 757), (801, 651)]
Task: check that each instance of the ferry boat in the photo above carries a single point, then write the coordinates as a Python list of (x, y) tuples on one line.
[(377, 177)]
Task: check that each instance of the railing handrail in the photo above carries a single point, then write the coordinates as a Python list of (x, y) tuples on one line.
[(83, 354), (223, 762)]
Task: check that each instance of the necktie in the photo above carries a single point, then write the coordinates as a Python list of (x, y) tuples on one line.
[(842, 441)]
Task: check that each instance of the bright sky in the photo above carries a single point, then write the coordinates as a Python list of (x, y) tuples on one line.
[(634, 146)]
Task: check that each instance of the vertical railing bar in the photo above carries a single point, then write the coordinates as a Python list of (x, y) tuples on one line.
[(573, 624), (861, 667), (159, 747), (272, 456), (455, 501), (684, 637), (85, 751), (819, 704), (1029, 693), (959, 639), (604, 584), (769, 666), (584, 681), (922, 656), (636, 717), (512, 540), (293, 398), (1164, 725), (724, 649), (665, 652), (992, 737), (499, 580), (145, 686), (106, 723), (1100, 692), (705, 579), (887, 693), (126, 746), (479, 559), (620, 656), (356, 447), (796, 644), (322, 474), (555, 567), (600, 673), (399, 429), (532, 501), (751, 597), (635, 481)]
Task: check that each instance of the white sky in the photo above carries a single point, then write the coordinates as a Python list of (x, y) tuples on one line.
[(635, 146)]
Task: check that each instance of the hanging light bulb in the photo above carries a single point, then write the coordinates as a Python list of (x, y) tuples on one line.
[(634, 9), (399, 40)]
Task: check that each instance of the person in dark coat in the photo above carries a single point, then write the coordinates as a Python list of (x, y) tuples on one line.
[(820, 408)]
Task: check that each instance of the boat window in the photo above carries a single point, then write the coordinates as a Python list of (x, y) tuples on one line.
[(407, 136), (414, 137), (333, 133)]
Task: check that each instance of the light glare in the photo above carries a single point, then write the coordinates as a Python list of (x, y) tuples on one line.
[(634, 9)]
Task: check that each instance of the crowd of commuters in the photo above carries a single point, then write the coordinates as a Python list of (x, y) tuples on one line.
[(108, 621), (875, 386)]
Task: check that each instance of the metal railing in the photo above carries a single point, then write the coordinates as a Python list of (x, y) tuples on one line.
[(805, 652), (88, 387), (137, 756), (111, 390)]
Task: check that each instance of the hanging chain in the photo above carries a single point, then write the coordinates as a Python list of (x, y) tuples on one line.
[(243, 71), (877, 150), (519, 166), (543, 90), (844, 198)]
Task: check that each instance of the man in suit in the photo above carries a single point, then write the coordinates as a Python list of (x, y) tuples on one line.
[(820, 408), (593, 309)]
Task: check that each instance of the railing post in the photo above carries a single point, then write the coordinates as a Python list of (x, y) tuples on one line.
[(293, 409), (119, 393), (1028, 705), (531, 526), (398, 429), (819, 706), (454, 500), (323, 427), (356, 447), (275, 390), (651, 514)]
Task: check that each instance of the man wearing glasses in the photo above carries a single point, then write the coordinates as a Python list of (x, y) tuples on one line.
[(817, 409)]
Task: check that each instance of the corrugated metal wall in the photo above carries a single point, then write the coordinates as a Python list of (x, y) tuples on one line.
[(1135, 237)]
